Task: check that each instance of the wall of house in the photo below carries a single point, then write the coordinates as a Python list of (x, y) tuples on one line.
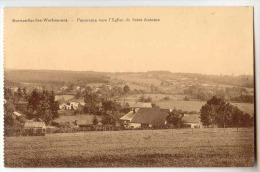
[(134, 125), (194, 125)]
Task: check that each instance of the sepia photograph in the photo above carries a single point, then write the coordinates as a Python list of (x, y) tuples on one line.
[(129, 87)]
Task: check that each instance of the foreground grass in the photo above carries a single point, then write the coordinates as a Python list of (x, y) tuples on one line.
[(137, 148)]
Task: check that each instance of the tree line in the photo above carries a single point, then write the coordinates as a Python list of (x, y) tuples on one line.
[(222, 114)]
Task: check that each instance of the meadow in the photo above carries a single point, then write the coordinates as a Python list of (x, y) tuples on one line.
[(134, 148), (176, 101)]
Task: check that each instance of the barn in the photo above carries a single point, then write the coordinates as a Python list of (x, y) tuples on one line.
[(32, 128), (149, 117), (85, 124)]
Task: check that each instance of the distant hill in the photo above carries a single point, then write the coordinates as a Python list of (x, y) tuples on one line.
[(50, 76), (141, 78)]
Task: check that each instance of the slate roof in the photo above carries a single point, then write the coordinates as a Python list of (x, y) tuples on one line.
[(129, 116), (154, 116), (191, 118)]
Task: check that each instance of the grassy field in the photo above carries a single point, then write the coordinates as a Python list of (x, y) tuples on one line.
[(192, 105), (134, 148), (176, 101), (195, 105)]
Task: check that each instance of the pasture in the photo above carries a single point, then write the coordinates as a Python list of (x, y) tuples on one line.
[(195, 105), (134, 148), (176, 101)]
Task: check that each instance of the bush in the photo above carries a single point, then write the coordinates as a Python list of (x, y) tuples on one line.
[(186, 98), (166, 98)]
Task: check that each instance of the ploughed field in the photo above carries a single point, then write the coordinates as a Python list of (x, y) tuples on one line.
[(134, 148)]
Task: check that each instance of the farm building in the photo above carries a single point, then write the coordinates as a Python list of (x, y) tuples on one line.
[(149, 117), (192, 121), (86, 124), (127, 118), (33, 128)]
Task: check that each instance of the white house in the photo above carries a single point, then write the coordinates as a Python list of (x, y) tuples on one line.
[(63, 88), (192, 120), (126, 119), (73, 105)]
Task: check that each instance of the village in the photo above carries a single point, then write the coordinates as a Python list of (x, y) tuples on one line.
[(94, 109)]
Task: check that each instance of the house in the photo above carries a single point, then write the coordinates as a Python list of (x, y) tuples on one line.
[(14, 89), (126, 119), (86, 124), (17, 114), (149, 117), (99, 126), (64, 88), (192, 121), (108, 87), (33, 128), (65, 106), (73, 105)]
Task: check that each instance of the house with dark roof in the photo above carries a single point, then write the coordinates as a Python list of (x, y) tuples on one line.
[(192, 121), (149, 117)]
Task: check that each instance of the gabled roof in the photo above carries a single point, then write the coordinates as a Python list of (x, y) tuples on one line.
[(129, 116), (32, 124), (17, 113), (154, 116), (191, 118)]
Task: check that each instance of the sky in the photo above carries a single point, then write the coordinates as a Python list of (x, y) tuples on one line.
[(207, 40)]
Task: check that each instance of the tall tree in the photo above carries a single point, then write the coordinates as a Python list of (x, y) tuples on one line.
[(19, 93), (43, 106), (175, 118), (126, 89), (95, 120), (218, 112), (25, 94), (110, 106), (92, 103)]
